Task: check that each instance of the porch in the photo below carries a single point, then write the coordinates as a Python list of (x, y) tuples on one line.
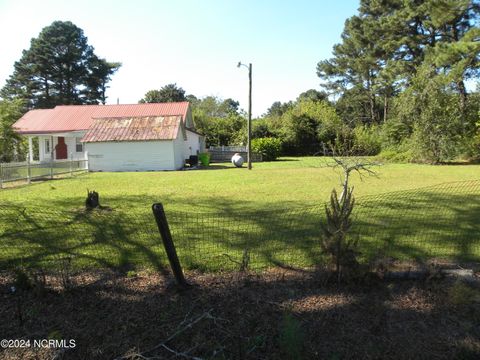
[(58, 146)]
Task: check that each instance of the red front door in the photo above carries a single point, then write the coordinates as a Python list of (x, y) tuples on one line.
[(61, 149)]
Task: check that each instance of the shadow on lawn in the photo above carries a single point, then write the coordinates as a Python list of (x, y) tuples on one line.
[(437, 222), (116, 316)]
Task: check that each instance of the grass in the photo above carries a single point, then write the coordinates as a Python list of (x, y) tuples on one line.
[(273, 211), (292, 181)]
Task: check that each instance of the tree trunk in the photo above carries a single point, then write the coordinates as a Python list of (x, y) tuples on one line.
[(460, 83), (371, 97), (385, 108), (92, 201), (463, 98)]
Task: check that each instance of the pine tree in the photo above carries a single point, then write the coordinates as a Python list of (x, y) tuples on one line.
[(60, 67)]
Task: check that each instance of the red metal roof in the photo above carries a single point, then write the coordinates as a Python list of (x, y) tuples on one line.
[(133, 129), (65, 118)]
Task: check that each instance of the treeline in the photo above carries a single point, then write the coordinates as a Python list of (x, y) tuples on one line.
[(395, 86), (400, 76)]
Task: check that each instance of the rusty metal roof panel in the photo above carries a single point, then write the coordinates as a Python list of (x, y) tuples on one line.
[(64, 118), (140, 128)]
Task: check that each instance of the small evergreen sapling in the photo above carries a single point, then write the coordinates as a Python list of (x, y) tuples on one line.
[(335, 242)]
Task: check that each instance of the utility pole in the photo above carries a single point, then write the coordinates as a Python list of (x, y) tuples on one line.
[(249, 138), (249, 149)]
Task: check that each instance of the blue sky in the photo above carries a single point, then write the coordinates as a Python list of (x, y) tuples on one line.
[(195, 44)]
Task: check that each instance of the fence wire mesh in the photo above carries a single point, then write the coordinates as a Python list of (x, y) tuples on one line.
[(434, 222), (34, 170)]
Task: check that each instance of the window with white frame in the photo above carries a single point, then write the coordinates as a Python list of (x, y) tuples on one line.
[(47, 146), (78, 145)]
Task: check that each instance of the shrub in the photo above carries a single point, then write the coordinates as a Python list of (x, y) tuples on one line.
[(270, 148), (204, 159), (472, 144), (401, 153), (367, 140)]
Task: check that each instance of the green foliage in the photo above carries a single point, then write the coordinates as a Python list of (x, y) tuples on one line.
[(335, 243), (131, 274), (437, 123), (367, 140), (204, 159), (399, 154), (397, 129), (220, 121), (262, 128), (307, 125), (59, 68), (168, 93), (291, 337), (406, 63), (11, 143), (270, 148), (313, 95), (278, 108)]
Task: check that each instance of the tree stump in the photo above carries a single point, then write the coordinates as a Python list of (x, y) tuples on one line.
[(92, 201)]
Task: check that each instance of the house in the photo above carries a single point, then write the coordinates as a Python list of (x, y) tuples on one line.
[(139, 137)]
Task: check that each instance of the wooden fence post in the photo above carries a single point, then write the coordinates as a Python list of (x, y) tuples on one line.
[(87, 161), (163, 228), (1, 176), (29, 170), (71, 164)]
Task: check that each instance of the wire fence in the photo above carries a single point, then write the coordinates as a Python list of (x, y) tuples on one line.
[(440, 222), (220, 155), (10, 172)]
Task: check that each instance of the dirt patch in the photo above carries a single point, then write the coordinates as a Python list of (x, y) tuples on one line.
[(276, 315)]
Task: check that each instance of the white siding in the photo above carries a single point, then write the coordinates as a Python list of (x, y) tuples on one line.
[(179, 151), (192, 144), (72, 149), (69, 141), (131, 156), (41, 148)]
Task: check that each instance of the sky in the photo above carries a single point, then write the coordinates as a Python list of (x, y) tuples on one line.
[(195, 44)]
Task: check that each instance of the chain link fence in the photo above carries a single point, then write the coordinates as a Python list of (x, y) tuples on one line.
[(440, 222)]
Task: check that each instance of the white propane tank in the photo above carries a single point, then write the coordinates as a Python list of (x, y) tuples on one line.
[(237, 160)]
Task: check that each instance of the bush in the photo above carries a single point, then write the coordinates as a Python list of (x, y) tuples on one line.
[(367, 140), (471, 145), (270, 148), (204, 159), (401, 153)]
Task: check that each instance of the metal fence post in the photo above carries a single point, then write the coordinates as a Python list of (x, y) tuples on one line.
[(1, 176), (163, 228)]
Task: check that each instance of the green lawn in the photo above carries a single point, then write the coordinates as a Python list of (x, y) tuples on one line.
[(275, 211)]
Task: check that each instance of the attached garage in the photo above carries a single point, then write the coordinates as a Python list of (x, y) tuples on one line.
[(137, 143)]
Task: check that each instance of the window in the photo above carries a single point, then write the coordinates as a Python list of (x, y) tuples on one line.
[(47, 146), (78, 145)]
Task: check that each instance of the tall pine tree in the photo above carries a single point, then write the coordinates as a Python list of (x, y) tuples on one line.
[(59, 68)]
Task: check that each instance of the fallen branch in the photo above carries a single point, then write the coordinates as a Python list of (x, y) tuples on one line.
[(163, 344)]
